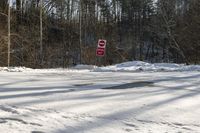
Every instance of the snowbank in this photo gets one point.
(82, 67)
(24, 69)
(132, 66)
(14, 69)
(135, 66)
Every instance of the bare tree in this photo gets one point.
(41, 31)
(8, 33)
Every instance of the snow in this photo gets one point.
(85, 101)
(81, 67)
(14, 69)
(135, 66)
(132, 66)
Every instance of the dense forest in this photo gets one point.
(62, 33)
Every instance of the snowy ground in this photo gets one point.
(99, 102)
(132, 97)
(132, 66)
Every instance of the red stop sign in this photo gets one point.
(100, 52)
(102, 44)
(101, 48)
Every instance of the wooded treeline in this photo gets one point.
(147, 30)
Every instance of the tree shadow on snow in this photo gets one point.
(120, 115)
(131, 85)
(136, 111)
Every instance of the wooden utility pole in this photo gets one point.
(41, 31)
(8, 33)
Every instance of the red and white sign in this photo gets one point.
(101, 48)
(100, 52)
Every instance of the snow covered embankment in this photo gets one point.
(14, 69)
(132, 66)
(135, 66)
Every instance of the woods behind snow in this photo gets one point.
(61, 33)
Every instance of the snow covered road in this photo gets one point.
(99, 102)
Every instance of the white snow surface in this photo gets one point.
(132, 66)
(144, 66)
(84, 101)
